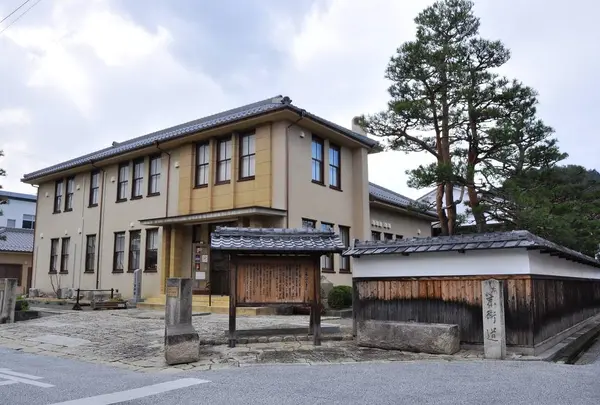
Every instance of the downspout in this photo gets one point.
(168, 178)
(287, 168)
(81, 240)
(33, 252)
(100, 220)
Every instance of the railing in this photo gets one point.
(77, 306)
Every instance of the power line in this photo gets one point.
(19, 17)
(14, 11)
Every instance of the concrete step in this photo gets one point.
(215, 309)
(200, 299)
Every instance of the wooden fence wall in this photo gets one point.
(535, 308)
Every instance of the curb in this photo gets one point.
(274, 339)
(570, 353)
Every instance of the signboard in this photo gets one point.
(200, 275)
(275, 281)
(172, 291)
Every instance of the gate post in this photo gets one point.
(182, 343)
(8, 299)
(494, 330)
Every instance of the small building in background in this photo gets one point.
(16, 256)
(18, 211)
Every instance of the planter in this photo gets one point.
(26, 315)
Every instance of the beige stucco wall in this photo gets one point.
(23, 259)
(401, 224)
(84, 220)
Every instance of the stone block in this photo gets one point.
(62, 293)
(182, 345)
(33, 293)
(494, 326)
(8, 299)
(417, 337)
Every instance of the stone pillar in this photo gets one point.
(137, 287)
(494, 328)
(8, 299)
(182, 344)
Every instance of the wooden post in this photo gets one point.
(316, 309)
(354, 306)
(232, 299)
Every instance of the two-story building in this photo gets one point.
(151, 202)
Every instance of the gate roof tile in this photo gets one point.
(274, 240)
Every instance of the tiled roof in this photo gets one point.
(20, 196)
(16, 240)
(276, 240)
(496, 240)
(227, 117)
(391, 197)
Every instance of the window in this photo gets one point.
(399, 237)
(327, 259)
(134, 250)
(317, 160)
(28, 221)
(69, 196)
(138, 178)
(151, 250)
(375, 235)
(202, 159)
(335, 178)
(309, 223)
(388, 236)
(53, 255)
(64, 255)
(94, 188)
(119, 253)
(345, 237)
(11, 223)
(224, 160)
(58, 192)
(90, 253)
(154, 175)
(123, 184)
(247, 156)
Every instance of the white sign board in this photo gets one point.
(200, 275)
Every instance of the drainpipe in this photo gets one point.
(33, 251)
(168, 178)
(100, 219)
(287, 168)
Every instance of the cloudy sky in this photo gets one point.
(76, 75)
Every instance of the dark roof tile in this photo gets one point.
(276, 240)
(16, 240)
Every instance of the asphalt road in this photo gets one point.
(65, 382)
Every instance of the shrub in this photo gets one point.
(22, 304)
(340, 297)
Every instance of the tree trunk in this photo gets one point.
(439, 205)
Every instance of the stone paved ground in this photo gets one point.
(133, 339)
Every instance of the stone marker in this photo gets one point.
(8, 299)
(182, 344)
(494, 331)
(435, 338)
(137, 287)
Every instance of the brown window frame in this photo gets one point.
(345, 237)
(248, 157)
(90, 254)
(154, 176)
(94, 196)
(321, 162)
(58, 184)
(137, 179)
(123, 180)
(223, 160)
(117, 252)
(204, 165)
(69, 193)
(64, 255)
(130, 263)
(327, 258)
(388, 236)
(378, 233)
(335, 168)
(54, 248)
(398, 237)
(151, 253)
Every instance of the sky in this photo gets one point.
(77, 75)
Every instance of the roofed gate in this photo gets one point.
(275, 266)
